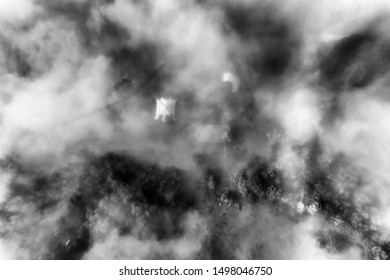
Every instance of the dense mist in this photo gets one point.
(286, 157)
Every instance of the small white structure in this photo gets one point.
(232, 79)
(165, 109)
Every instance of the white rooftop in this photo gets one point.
(233, 79)
(165, 108)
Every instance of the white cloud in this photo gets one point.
(16, 11)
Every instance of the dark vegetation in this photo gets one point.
(16, 60)
(136, 66)
(273, 43)
(259, 181)
(166, 194)
(160, 197)
(350, 223)
(354, 62)
(350, 64)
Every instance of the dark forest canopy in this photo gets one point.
(159, 199)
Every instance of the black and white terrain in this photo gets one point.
(86, 172)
